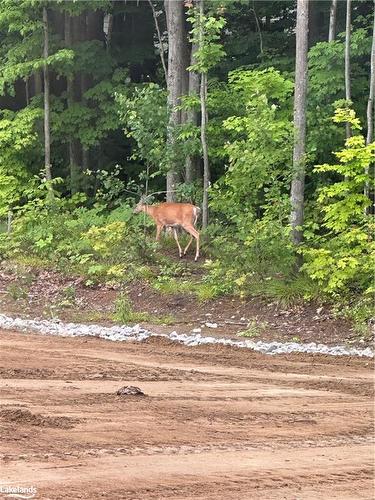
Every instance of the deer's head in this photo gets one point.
(139, 206)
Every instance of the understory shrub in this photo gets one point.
(92, 241)
(340, 249)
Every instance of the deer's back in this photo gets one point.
(170, 214)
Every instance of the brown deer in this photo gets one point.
(174, 215)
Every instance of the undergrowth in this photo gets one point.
(125, 314)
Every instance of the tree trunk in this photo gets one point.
(347, 61)
(72, 144)
(370, 102)
(314, 22)
(161, 47)
(203, 99)
(192, 161)
(185, 63)
(109, 30)
(332, 21)
(38, 86)
(298, 180)
(206, 165)
(27, 91)
(175, 22)
(85, 159)
(47, 131)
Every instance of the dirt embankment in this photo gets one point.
(48, 294)
(215, 422)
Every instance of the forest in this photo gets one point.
(259, 112)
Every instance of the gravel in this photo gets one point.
(137, 333)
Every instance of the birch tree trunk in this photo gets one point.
(298, 180)
(191, 166)
(370, 102)
(332, 21)
(175, 22)
(347, 61)
(47, 131)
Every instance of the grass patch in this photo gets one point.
(124, 311)
(125, 314)
(170, 286)
(287, 292)
(17, 291)
(206, 291)
(254, 329)
(361, 313)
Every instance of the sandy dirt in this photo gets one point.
(215, 422)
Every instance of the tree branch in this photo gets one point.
(161, 47)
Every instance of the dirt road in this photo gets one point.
(216, 423)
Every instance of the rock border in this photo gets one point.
(139, 334)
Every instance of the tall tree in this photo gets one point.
(160, 41)
(206, 33)
(192, 160)
(298, 180)
(332, 21)
(203, 99)
(348, 94)
(370, 102)
(176, 31)
(73, 150)
(47, 130)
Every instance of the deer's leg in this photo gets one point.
(178, 243)
(159, 227)
(188, 245)
(194, 233)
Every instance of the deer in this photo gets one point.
(173, 215)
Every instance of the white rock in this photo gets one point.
(137, 333)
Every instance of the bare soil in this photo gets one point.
(42, 293)
(215, 422)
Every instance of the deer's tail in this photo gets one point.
(196, 213)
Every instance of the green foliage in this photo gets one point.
(144, 115)
(16, 291)
(252, 198)
(110, 189)
(287, 291)
(340, 257)
(124, 312)
(105, 239)
(261, 150)
(89, 241)
(18, 154)
(206, 32)
(254, 329)
(359, 310)
(327, 85)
